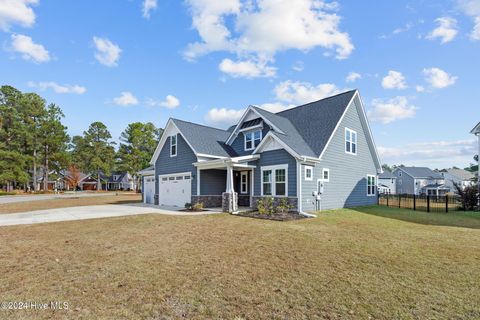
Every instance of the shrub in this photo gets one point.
(188, 206)
(283, 206)
(265, 206)
(197, 206)
(468, 197)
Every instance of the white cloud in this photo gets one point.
(125, 99)
(303, 92)
(446, 30)
(107, 52)
(170, 102)
(475, 35)
(147, 7)
(30, 50)
(438, 78)
(472, 8)
(394, 80)
(16, 12)
(391, 110)
(298, 66)
(260, 29)
(353, 76)
(276, 107)
(223, 116)
(419, 88)
(441, 154)
(66, 88)
(246, 69)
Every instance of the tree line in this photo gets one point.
(33, 141)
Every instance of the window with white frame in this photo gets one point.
(326, 175)
(350, 141)
(244, 182)
(274, 180)
(252, 139)
(371, 185)
(308, 173)
(173, 145)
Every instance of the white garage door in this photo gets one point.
(148, 189)
(175, 190)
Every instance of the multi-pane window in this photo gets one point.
(267, 182)
(173, 146)
(326, 175)
(252, 139)
(243, 183)
(350, 141)
(371, 185)
(274, 181)
(308, 173)
(280, 182)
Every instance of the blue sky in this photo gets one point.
(119, 61)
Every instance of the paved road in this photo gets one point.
(87, 212)
(36, 197)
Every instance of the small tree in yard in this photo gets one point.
(74, 176)
(468, 196)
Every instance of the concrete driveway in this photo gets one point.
(88, 212)
(36, 197)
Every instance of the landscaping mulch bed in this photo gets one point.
(290, 216)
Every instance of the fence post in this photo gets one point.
(387, 199)
(414, 202)
(428, 203)
(446, 203)
(399, 200)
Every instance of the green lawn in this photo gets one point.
(377, 263)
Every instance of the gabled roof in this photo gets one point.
(205, 140)
(461, 174)
(420, 172)
(476, 130)
(291, 137)
(325, 113)
(387, 175)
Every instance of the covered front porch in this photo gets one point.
(226, 183)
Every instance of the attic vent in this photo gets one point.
(251, 123)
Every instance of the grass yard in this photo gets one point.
(69, 202)
(368, 263)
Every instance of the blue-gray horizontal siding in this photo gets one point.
(213, 182)
(405, 183)
(239, 143)
(183, 162)
(276, 157)
(348, 173)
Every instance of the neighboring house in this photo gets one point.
(387, 183)
(420, 181)
(462, 178)
(113, 182)
(322, 146)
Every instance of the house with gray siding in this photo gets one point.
(420, 181)
(460, 177)
(318, 155)
(387, 183)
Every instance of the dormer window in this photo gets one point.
(252, 139)
(173, 146)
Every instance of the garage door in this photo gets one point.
(148, 189)
(175, 190)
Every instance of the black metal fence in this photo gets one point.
(425, 203)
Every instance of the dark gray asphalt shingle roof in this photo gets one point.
(206, 140)
(290, 136)
(305, 129)
(422, 172)
(322, 117)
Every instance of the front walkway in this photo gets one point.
(88, 212)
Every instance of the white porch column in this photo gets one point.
(230, 188)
